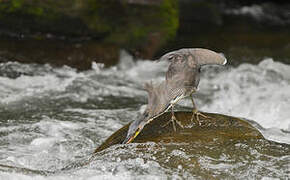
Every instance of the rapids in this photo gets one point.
(52, 117)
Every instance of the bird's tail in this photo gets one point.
(135, 128)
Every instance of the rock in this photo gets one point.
(133, 25)
(59, 53)
(217, 128)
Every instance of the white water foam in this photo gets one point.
(258, 92)
(43, 80)
(269, 13)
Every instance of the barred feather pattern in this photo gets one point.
(182, 79)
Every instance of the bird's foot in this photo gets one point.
(174, 120)
(195, 117)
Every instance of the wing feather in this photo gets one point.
(202, 56)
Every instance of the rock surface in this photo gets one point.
(215, 129)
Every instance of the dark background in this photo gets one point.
(77, 32)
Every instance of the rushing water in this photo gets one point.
(53, 117)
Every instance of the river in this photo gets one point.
(52, 117)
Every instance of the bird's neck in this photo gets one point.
(174, 83)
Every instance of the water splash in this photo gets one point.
(259, 92)
(53, 116)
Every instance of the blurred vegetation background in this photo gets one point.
(77, 32)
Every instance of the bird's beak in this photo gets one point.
(225, 62)
(225, 59)
(134, 136)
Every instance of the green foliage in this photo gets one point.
(16, 4)
(170, 13)
(130, 24)
(28, 8)
(117, 22)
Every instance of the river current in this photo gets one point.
(52, 117)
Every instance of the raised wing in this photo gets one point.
(200, 56)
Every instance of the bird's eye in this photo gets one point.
(171, 57)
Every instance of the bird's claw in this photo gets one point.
(197, 114)
(173, 120)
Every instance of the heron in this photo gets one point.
(182, 79)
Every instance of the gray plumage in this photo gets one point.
(182, 79)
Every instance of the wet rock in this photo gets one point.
(131, 24)
(215, 129)
(245, 31)
(58, 53)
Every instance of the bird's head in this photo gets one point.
(195, 57)
(190, 60)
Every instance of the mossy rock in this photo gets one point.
(215, 128)
(131, 25)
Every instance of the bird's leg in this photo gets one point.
(196, 113)
(173, 120)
